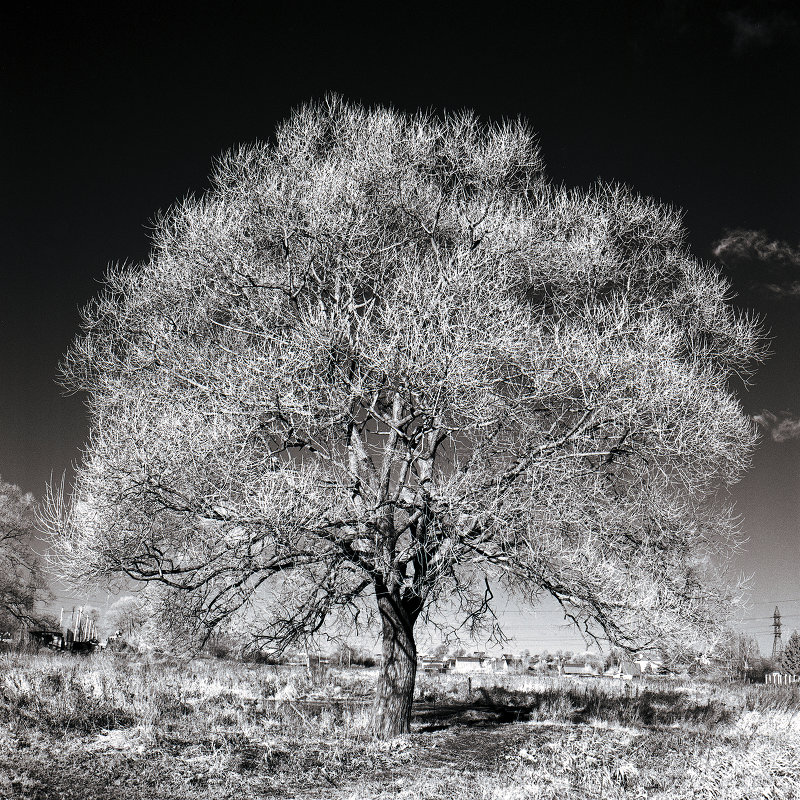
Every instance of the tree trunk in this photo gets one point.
(399, 668)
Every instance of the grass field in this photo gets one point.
(109, 727)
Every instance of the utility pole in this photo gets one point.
(777, 645)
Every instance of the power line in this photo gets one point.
(770, 602)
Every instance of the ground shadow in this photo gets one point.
(637, 706)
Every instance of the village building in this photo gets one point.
(479, 662)
(581, 670)
(432, 664)
(508, 663)
(648, 666)
(627, 670)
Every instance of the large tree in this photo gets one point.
(383, 363)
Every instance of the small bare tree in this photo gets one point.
(737, 653)
(21, 580)
(384, 364)
(127, 614)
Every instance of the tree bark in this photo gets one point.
(395, 693)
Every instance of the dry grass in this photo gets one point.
(107, 726)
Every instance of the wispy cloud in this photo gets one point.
(750, 31)
(760, 262)
(782, 427)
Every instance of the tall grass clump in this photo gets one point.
(56, 692)
(63, 694)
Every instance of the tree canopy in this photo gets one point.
(790, 659)
(385, 365)
(126, 615)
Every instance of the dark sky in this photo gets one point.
(109, 116)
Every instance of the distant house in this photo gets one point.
(508, 663)
(649, 667)
(583, 670)
(475, 663)
(430, 664)
(627, 670)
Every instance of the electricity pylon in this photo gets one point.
(777, 645)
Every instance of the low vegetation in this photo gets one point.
(113, 727)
